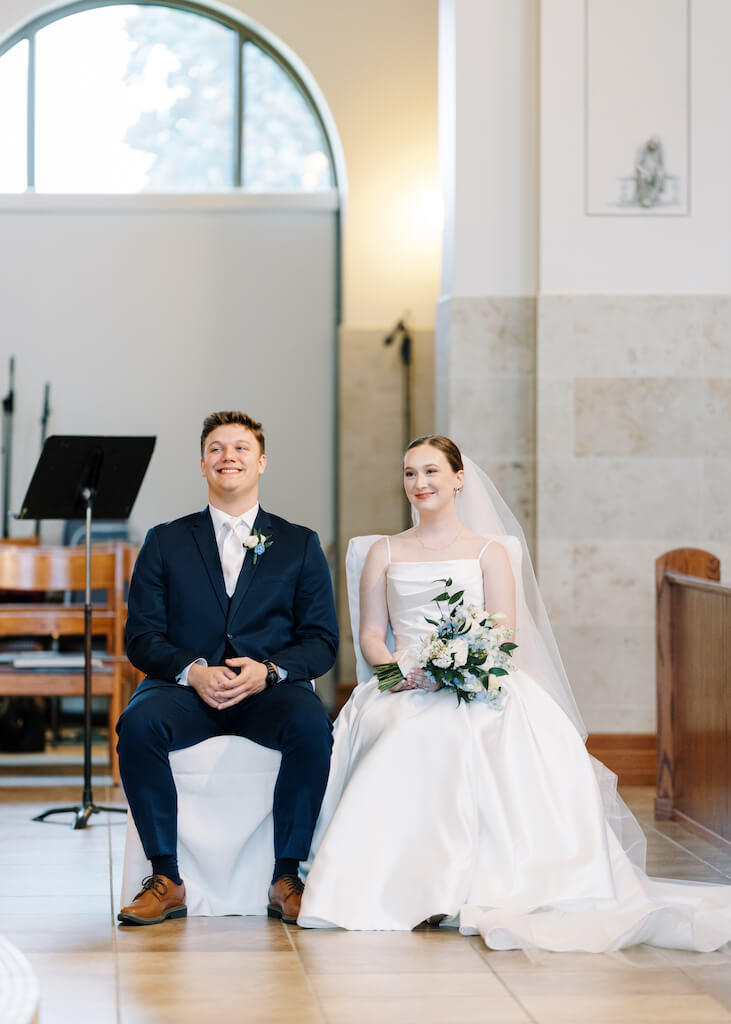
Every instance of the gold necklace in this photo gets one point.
(444, 546)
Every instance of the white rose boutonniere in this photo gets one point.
(257, 542)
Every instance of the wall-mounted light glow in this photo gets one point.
(429, 211)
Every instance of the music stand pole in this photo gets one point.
(87, 807)
(101, 474)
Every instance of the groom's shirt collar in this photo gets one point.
(220, 519)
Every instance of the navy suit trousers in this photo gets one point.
(166, 716)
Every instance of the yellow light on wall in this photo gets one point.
(428, 213)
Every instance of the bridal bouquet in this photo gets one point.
(468, 651)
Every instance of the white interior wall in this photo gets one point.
(146, 319)
(634, 255)
(633, 363)
(489, 146)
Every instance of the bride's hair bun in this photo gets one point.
(445, 445)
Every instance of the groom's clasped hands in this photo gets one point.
(222, 686)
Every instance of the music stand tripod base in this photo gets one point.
(77, 475)
(82, 812)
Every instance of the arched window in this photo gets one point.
(120, 97)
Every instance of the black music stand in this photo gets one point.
(76, 478)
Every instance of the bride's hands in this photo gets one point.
(416, 679)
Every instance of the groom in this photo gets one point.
(230, 615)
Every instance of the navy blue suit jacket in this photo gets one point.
(282, 609)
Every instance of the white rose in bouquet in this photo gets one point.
(459, 649)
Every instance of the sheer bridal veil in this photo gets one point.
(481, 508)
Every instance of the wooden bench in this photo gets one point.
(693, 660)
(26, 569)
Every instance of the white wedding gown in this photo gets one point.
(492, 818)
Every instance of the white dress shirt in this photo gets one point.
(222, 522)
(242, 525)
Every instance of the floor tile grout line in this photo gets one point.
(311, 987)
(482, 954)
(115, 946)
(690, 853)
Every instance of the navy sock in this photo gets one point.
(168, 866)
(284, 866)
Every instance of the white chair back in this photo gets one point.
(358, 549)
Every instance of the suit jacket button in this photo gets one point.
(229, 637)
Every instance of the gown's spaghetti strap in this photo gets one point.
(483, 549)
(388, 548)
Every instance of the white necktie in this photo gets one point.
(232, 555)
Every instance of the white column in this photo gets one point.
(485, 349)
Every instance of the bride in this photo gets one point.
(492, 818)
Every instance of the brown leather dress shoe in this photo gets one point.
(285, 897)
(158, 899)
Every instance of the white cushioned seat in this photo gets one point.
(225, 829)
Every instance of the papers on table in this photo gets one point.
(50, 660)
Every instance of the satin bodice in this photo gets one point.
(412, 586)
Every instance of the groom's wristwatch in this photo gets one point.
(272, 673)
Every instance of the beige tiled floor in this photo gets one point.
(57, 905)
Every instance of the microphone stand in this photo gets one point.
(8, 411)
(405, 352)
(45, 413)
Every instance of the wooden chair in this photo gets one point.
(25, 569)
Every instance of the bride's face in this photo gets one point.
(429, 481)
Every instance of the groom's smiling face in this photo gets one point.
(232, 464)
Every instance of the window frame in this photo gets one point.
(245, 34)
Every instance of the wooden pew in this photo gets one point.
(26, 569)
(693, 666)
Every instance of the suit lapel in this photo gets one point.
(205, 538)
(248, 569)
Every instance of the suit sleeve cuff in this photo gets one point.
(182, 677)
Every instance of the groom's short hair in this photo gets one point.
(222, 419)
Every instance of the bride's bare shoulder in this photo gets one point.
(403, 545)
(494, 555)
(378, 556)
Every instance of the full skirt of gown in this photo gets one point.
(492, 818)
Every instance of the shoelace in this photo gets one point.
(294, 884)
(155, 883)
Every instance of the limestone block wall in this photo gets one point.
(634, 458)
(485, 382)
(371, 496)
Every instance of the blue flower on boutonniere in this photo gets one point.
(257, 542)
